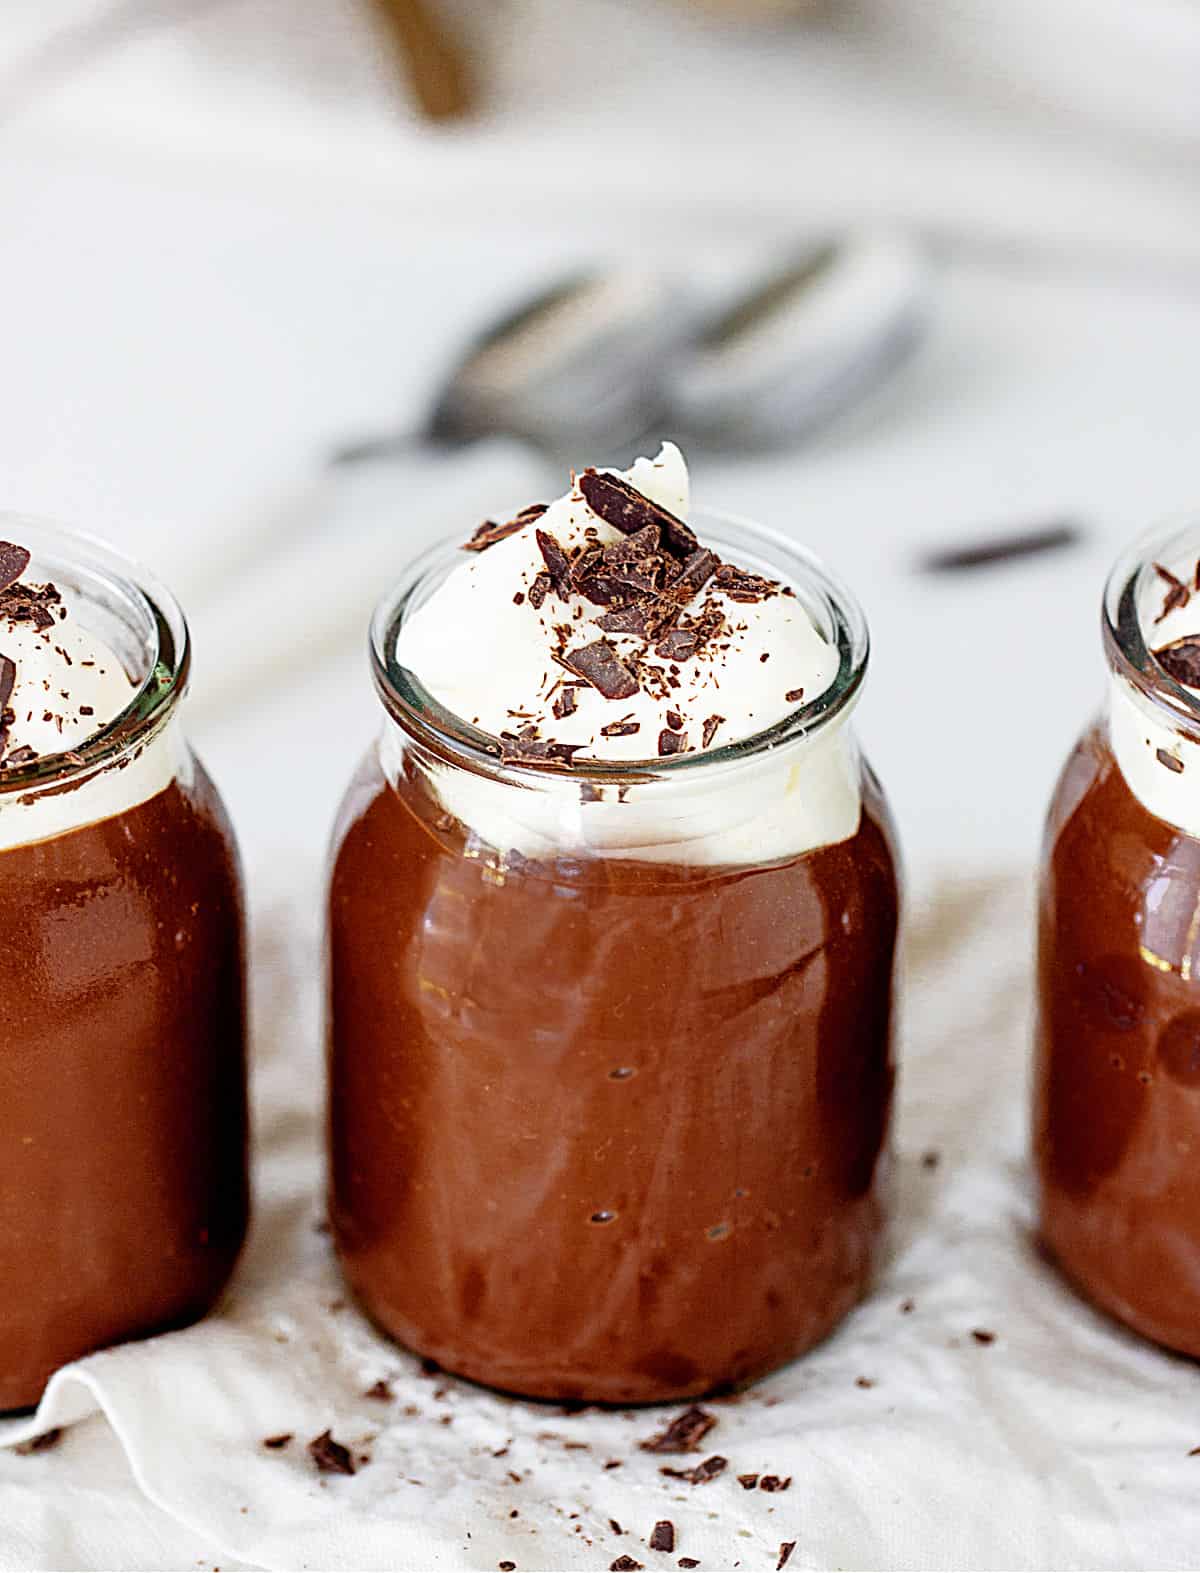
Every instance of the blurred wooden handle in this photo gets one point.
(434, 61)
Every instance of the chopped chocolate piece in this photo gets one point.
(20, 756)
(684, 1434)
(679, 644)
(624, 1564)
(519, 598)
(864, 1381)
(1169, 760)
(612, 1463)
(489, 532)
(982, 1336)
(675, 720)
(275, 1443)
(381, 1390)
(709, 1469)
(1002, 548)
(626, 620)
(771, 1483)
(507, 1567)
(565, 702)
(42, 1443)
(710, 729)
(557, 564)
(672, 743)
(620, 729)
(786, 1547)
(86, 710)
(8, 677)
(615, 1527)
(13, 562)
(697, 570)
(907, 1307)
(633, 548)
(931, 1159)
(794, 696)
(539, 590)
(600, 665)
(747, 1482)
(1181, 660)
(739, 585)
(628, 510)
(662, 1536)
(1177, 594)
(330, 1457)
(688, 1562)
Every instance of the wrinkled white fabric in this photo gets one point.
(1064, 1444)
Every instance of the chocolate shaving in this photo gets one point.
(675, 720)
(626, 620)
(624, 1564)
(628, 510)
(275, 1443)
(539, 590)
(739, 585)
(381, 1390)
(710, 729)
(13, 562)
(794, 696)
(489, 532)
(620, 729)
(330, 1457)
(1177, 594)
(747, 1482)
(565, 702)
(701, 1474)
(557, 564)
(671, 743)
(770, 1483)
(679, 645)
(1181, 660)
(697, 570)
(786, 1547)
(684, 1434)
(19, 756)
(688, 1562)
(1169, 760)
(42, 1443)
(8, 677)
(662, 1536)
(601, 666)
(982, 1336)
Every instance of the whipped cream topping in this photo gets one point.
(571, 637)
(60, 684)
(1158, 759)
(500, 647)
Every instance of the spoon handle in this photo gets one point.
(434, 61)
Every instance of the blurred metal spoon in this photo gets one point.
(599, 359)
(578, 369)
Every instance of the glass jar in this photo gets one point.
(610, 1048)
(1117, 1079)
(123, 1164)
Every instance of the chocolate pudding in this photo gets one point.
(610, 1092)
(1117, 1086)
(123, 1196)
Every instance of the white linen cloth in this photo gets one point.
(1064, 1443)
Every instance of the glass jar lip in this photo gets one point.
(77, 555)
(1128, 587)
(448, 735)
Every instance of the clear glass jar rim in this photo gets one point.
(449, 735)
(165, 680)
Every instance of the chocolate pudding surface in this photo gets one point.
(1117, 1081)
(123, 1128)
(604, 1129)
